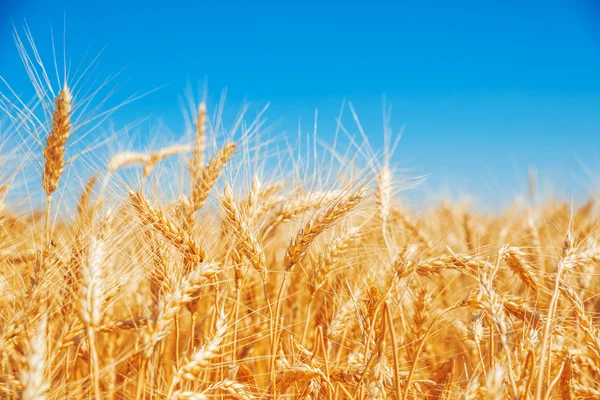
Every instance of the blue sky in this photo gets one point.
(483, 89)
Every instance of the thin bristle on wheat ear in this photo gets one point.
(54, 152)
(317, 225)
(164, 226)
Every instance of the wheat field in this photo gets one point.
(310, 282)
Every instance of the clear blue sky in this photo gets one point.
(484, 89)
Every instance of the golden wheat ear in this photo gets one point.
(317, 225)
(247, 243)
(197, 161)
(172, 233)
(54, 152)
(33, 381)
(209, 175)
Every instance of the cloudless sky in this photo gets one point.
(484, 89)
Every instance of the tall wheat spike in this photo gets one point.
(54, 152)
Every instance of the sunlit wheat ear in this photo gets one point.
(342, 316)
(566, 379)
(197, 161)
(203, 356)
(384, 193)
(33, 381)
(585, 392)
(262, 199)
(167, 228)
(123, 159)
(147, 160)
(329, 260)
(235, 389)
(83, 206)
(196, 365)
(421, 312)
(519, 308)
(161, 154)
(313, 200)
(207, 178)
(292, 208)
(3, 190)
(91, 302)
(188, 395)
(592, 334)
(171, 304)
(54, 152)
(91, 289)
(514, 258)
(317, 225)
(299, 372)
(468, 265)
(247, 242)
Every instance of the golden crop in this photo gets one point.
(244, 284)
